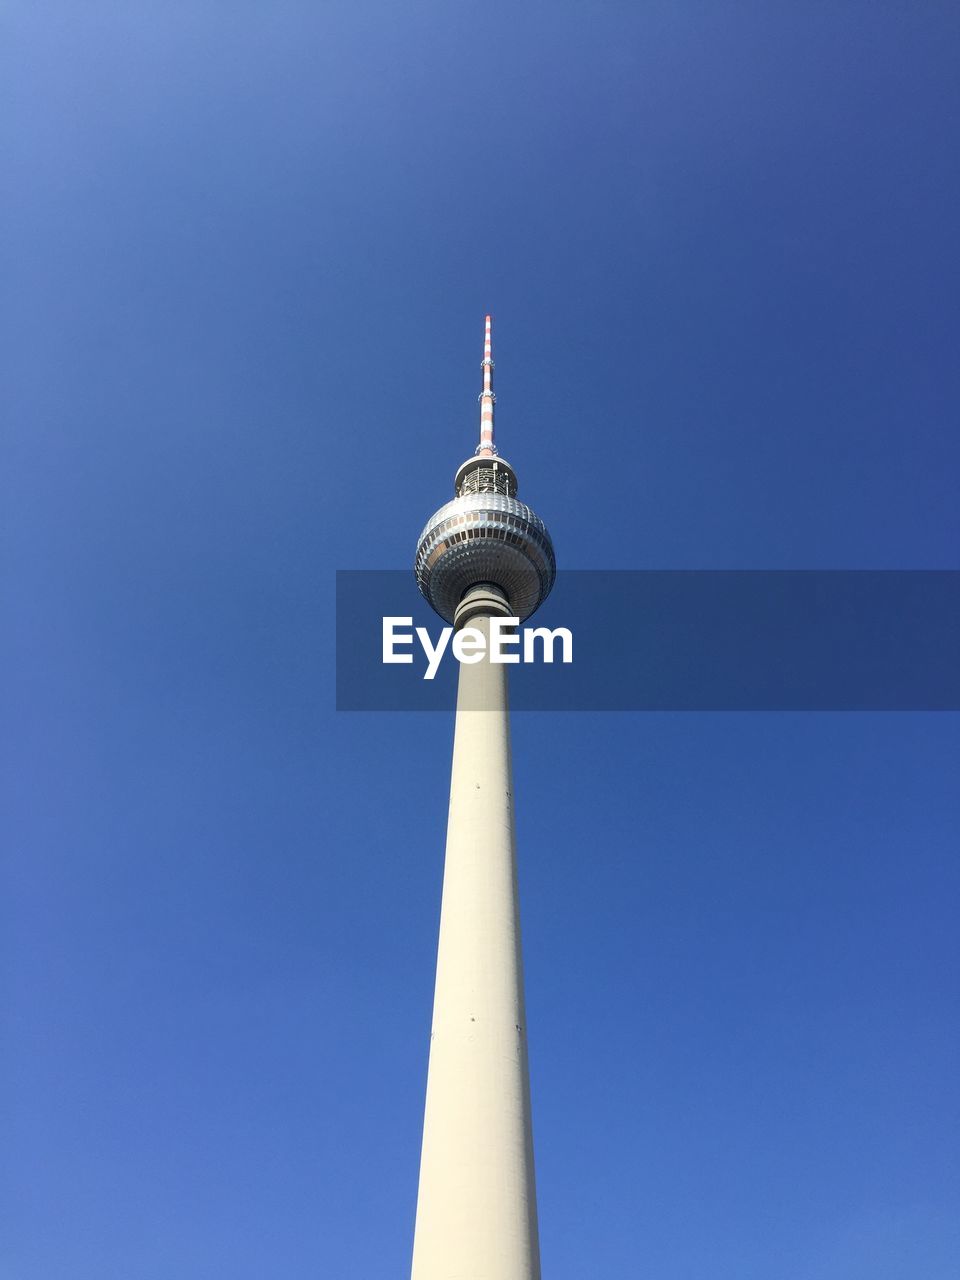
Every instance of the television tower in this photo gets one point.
(480, 556)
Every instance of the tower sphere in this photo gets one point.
(484, 535)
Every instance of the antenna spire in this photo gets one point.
(486, 448)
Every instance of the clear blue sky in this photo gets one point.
(246, 253)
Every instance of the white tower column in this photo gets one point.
(476, 1208)
(482, 555)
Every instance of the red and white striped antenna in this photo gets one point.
(486, 447)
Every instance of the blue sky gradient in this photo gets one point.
(247, 250)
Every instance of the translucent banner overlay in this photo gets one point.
(686, 641)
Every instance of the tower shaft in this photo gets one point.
(476, 1207)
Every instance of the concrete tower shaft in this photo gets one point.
(476, 1206)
